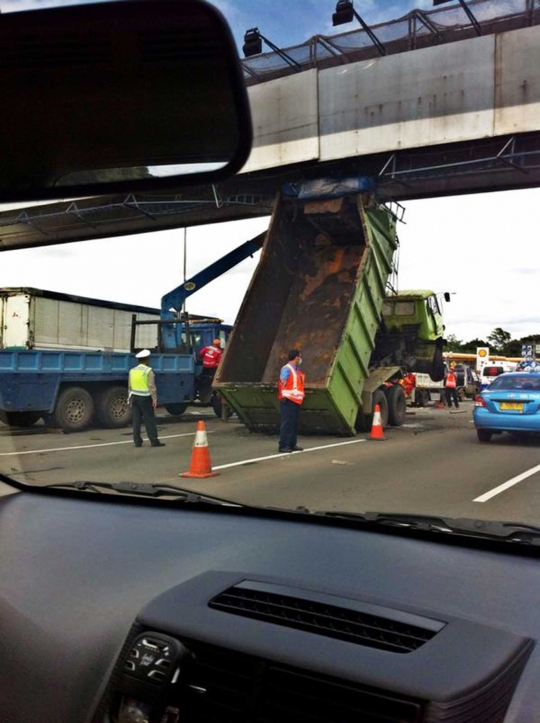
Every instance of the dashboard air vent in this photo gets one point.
(227, 687)
(332, 621)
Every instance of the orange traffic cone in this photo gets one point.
(201, 466)
(377, 431)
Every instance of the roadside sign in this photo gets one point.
(526, 351)
(482, 357)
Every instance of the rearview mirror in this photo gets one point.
(447, 296)
(119, 96)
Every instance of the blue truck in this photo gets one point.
(43, 377)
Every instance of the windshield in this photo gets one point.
(492, 371)
(371, 174)
(398, 308)
(521, 381)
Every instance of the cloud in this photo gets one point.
(525, 271)
(103, 268)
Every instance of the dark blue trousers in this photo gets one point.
(290, 412)
(143, 410)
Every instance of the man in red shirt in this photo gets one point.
(211, 356)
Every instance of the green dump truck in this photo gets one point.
(320, 285)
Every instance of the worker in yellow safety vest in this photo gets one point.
(143, 399)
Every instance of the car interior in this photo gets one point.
(153, 605)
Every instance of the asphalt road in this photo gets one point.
(432, 465)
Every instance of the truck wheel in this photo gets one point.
(19, 419)
(397, 405)
(461, 394)
(437, 370)
(112, 408)
(364, 422)
(74, 409)
(421, 397)
(176, 409)
(217, 405)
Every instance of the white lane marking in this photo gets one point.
(91, 446)
(286, 454)
(506, 485)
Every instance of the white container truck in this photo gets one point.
(39, 319)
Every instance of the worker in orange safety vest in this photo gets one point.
(291, 395)
(450, 387)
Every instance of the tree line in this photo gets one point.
(500, 341)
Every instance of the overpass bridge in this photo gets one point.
(445, 111)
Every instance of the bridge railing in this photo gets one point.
(417, 29)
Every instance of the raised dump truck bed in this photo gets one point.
(320, 286)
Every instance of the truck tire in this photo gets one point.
(19, 419)
(421, 398)
(364, 422)
(397, 405)
(217, 405)
(74, 409)
(438, 370)
(461, 394)
(112, 408)
(176, 410)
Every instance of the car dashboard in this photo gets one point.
(117, 611)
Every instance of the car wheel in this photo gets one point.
(484, 435)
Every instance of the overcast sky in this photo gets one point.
(482, 247)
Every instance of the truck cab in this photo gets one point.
(416, 311)
(203, 334)
(411, 333)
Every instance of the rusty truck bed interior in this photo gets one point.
(300, 295)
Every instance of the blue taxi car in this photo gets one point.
(510, 404)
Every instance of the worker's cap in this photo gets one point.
(143, 354)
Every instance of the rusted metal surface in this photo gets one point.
(319, 300)
(316, 310)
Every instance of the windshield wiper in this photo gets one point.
(487, 529)
(144, 489)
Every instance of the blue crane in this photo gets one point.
(173, 302)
